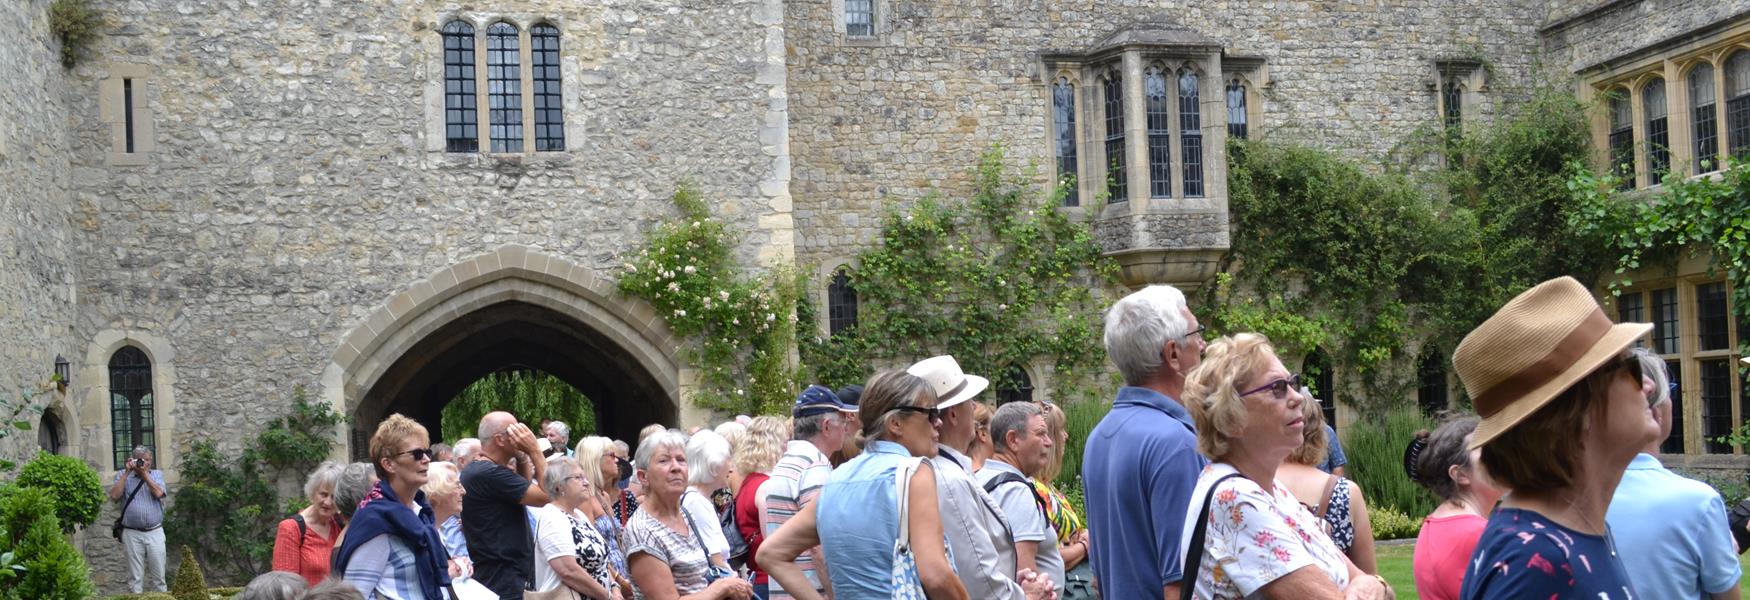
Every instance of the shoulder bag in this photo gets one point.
(1194, 554)
(904, 583)
(115, 531)
(712, 571)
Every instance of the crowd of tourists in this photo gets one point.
(1211, 477)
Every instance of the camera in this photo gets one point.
(135, 463)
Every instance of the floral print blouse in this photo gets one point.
(1255, 537)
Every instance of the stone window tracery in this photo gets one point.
(1063, 116)
(1704, 124)
(130, 392)
(1658, 132)
(1112, 100)
(1190, 133)
(1160, 132)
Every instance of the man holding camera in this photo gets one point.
(140, 490)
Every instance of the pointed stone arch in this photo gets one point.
(514, 306)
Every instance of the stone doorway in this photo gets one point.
(513, 308)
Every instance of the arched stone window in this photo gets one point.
(841, 302)
(1622, 138)
(1015, 386)
(51, 435)
(461, 105)
(1658, 131)
(1738, 103)
(1703, 119)
(130, 402)
(1160, 133)
(1112, 100)
(1191, 133)
(504, 92)
(1431, 396)
(1063, 111)
(1316, 370)
(549, 104)
(1236, 109)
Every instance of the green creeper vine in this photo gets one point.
(742, 328)
(1001, 278)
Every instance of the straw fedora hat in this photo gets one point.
(1540, 343)
(950, 384)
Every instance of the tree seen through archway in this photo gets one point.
(532, 395)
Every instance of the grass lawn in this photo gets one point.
(1394, 566)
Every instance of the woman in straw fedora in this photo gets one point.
(1563, 413)
(1245, 532)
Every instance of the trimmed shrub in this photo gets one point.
(189, 583)
(1375, 448)
(1079, 420)
(1389, 524)
(70, 483)
(53, 569)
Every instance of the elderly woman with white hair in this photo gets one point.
(1245, 534)
(708, 498)
(665, 552)
(569, 551)
(443, 487)
(304, 541)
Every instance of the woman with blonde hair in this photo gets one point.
(1245, 534)
(754, 458)
(595, 457)
(982, 447)
(1072, 535)
(1335, 500)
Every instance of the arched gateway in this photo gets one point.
(514, 307)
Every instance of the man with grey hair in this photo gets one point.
(1022, 447)
(1141, 462)
(139, 489)
(1671, 521)
(466, 450)
(559, 435)
(796, 480)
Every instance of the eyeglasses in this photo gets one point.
(1626, 362)
(934, 413)
(1197, 333)
(1278, 388)
(418, 453)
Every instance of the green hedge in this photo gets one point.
(70, 483)
(1079, 419)
(53, 570)
(1375, 448)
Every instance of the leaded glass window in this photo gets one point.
(1630, 308)
(1236, 110)
(1716, 403)
(1063, 110)
(1191, 133)
(1738, 103)
(1160, 134)
(549, 109)
(1658, 131)
(1712, 320)
(1704, 128)
(504, 87)
(1432, 394)
(1016, 386)
(1665, 334)
(1452, 104)
(1112, 100)
(130, 402)
(860, 18)
(1622, 138)
(841, 303)
(461, 108)
(1317, 368)
(1674, 443)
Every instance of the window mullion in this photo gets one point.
(482, 92)
(526, 73)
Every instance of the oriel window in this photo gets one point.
(1191, 133)
(1160, 133)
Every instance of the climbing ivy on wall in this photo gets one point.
(741, 327)
(1365, 260)
(1000, 278)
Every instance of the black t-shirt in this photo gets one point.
(496, 524)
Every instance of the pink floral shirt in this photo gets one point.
(1255, 537)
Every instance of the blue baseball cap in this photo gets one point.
(819, 400)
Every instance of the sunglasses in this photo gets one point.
(934, 413)
(1278, 389)
(419, 453)
(1626, 362)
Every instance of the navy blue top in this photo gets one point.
(1138, 469)
(1523, 554)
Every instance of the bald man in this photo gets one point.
(497, 527)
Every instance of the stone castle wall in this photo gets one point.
(890, 119)
(37, 239)
(1582, 36)
(292, 189)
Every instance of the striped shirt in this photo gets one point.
(684, 556)
(386, 568)
(795, 482)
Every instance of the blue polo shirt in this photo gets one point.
(1673, 525)
(1138, 469)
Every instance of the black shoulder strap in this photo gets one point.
(1194, 554)
(1005, 478)
(130, 499)
(303, 529)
